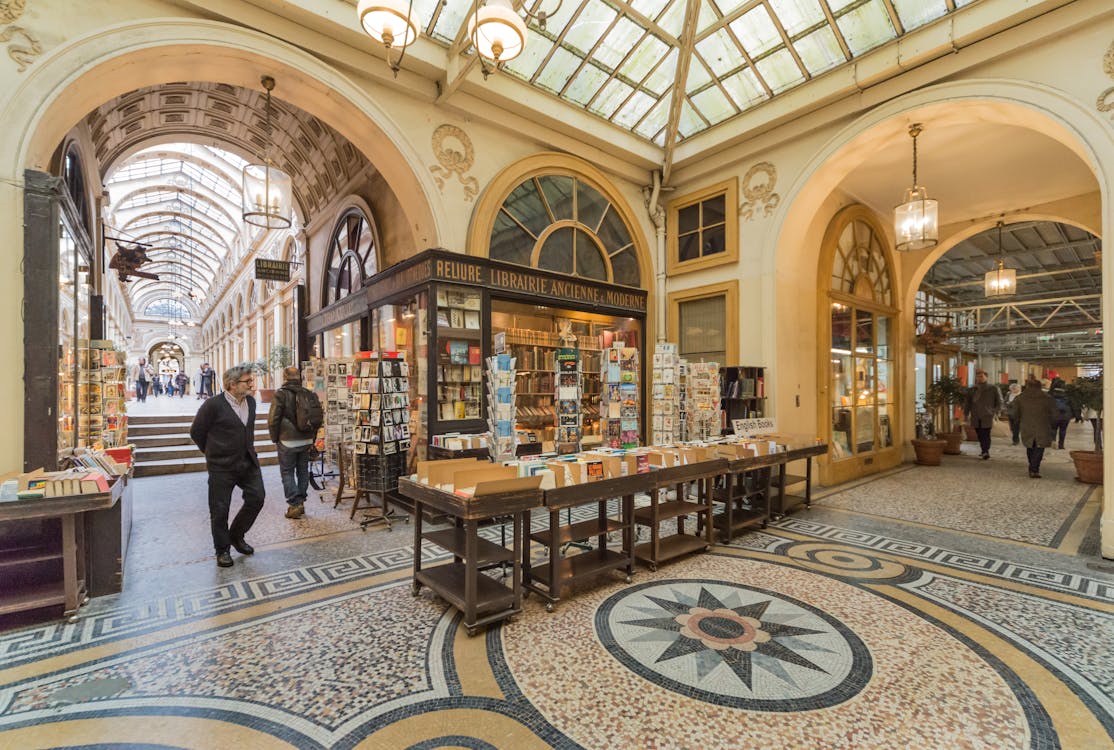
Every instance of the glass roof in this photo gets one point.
(618, 58)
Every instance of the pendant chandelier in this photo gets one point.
(1002, 281)
(916, 219)
(498, 34)
(391, 23)
(268, 195)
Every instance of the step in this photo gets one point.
(147, 419)
(165, 452)
(179, 438)
(158, 428)
(187, 465)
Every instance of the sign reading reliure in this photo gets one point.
(462, 269)
(272, 270)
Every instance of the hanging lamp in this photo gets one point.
(391, 23)
(498, 34)
(1002, 281)
(916, 220)
(268, 195)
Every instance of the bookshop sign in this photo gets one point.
(460, 269)
(272, 270)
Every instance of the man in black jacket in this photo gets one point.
(293, 444)
(224, 430)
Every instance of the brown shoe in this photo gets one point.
(295, 511)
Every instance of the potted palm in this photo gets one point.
(279, 357)
(1085, 395)
(928, 448)
(941, 398)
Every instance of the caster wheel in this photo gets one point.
(72, 619)
(415, 589)
(471, 632)
(525, 595)
(626, 579)
(549, 607)
(707, 547)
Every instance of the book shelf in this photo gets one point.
(459, 355)
(743, 393)
(619, 396)
(96, 406)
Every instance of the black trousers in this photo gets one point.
(1035, 454)
(249, 479)
(1060, 430)
(984, 438)
(141, 390)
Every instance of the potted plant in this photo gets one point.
(928, 448)
(1085, 396)
(941, 398)
(279, 357)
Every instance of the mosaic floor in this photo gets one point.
(859, 624)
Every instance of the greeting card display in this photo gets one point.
(568, 400)
(501, 384)
(619, 396)
(703, 405)
(380, 433)
(665, 413)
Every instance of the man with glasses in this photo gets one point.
(224, 430)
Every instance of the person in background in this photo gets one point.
(1034, 410)
(1061, 417)
(205, 381)
(181, 380)
(156, 385)
(984, 401)
(1015, 424)
(169, 385)
(293, 443)
(224, 430)
(141, 374)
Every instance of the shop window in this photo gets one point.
(563, 224)
(352, 257)
(73, 177)
(860, 352)
(703, 229)
(702, 321)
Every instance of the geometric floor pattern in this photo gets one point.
(840, 627)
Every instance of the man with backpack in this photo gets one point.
(1062, 415)
(293, 422)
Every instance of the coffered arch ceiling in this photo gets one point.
(172, 156)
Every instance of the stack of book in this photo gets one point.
(78, 481)
(619, 396)
(666, 410)
(703, 404)
(501, 383)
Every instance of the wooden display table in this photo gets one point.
(481, 599)
(549, 578)
(45, 564)
(660, 549)
(746, 503)
(796, 451)
(437, 452)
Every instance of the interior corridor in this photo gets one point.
(927, 607)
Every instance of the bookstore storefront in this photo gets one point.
(448, 313)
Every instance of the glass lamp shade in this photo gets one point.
(916, 221)
(497, 32)
(388, 21)
(1001, 282)
(268, 196)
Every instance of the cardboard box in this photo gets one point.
(438, 473)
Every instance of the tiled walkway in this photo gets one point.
(933, 607)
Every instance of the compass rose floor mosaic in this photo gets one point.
(865, 622)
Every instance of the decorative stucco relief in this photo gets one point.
(453, 148)
(758, 189)
(24, 47)
(1104, 103)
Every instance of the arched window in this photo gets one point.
(73, 177)
(167, 308)
(559, 222)
(860, 347)
(352, 256)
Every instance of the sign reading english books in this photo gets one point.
(272, 270)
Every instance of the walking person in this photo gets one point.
(293, 421)
(1015, 424)
(1062, 416)
(181, 380)
(224, 430)
(984, 401)
(1035, 410)
(141, 374)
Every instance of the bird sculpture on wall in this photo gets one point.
(127, 260)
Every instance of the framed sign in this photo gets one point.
(757, 426)
(500, 343)
(272, 270)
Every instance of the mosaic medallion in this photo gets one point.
(733, 645)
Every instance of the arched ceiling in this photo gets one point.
(319, 160)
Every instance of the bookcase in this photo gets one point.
(459, 360)
(742, 392)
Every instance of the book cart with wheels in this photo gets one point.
(745, 490)
(796, 450)
(700, 474)
(481, 599)
(549, 578)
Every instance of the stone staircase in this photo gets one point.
(163, 445)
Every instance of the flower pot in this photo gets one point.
(265, 395)
(929, 452)
(954, 440)
(1088, 466)
(969, 433)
